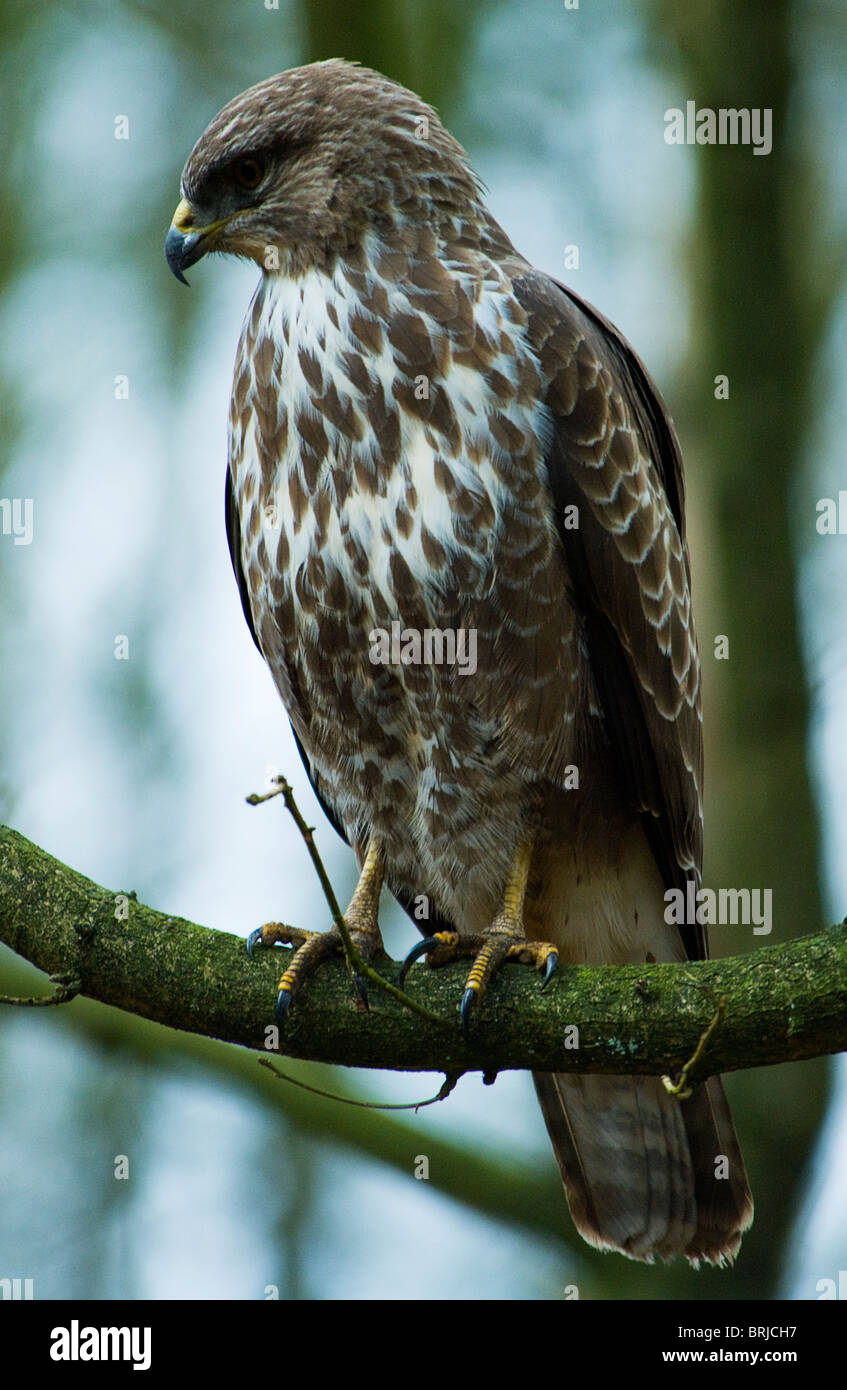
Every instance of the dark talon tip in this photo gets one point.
(362, 990)
(489, 1077)
(420, 948)
(283, 1005)
(550, 968)
(466, 1008)
(253, 941)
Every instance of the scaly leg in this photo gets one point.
(313, 947)
(503, 940)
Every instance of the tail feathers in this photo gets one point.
(644, 1173)
(724, 1199)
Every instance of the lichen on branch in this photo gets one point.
(783, 1003)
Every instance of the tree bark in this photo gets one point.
(777, 1004)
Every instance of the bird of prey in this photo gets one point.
(436, 449)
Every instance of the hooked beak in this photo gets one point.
(186, 244)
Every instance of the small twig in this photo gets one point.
(283, 789)
(448, 1085)
(66, 989)
(356, 964)
(678, 1089)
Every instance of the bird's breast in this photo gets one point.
(396, 531)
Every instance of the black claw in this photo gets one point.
(550, 968)
(362, 989)
(283, 1005)
(489, 1077)
(252, 941)
(466, 1008)
(421, 948)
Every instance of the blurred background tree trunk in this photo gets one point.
(759, 318)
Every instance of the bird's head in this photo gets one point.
(293, 172)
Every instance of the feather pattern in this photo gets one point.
(427, 435)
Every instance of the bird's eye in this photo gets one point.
(249, 173)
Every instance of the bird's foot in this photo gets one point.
(277, 933)
(313, 947)
(502, 941)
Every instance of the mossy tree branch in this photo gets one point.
(783, 1003)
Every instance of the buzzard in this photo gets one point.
(429, 440)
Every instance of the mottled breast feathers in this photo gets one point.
(607, 449)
